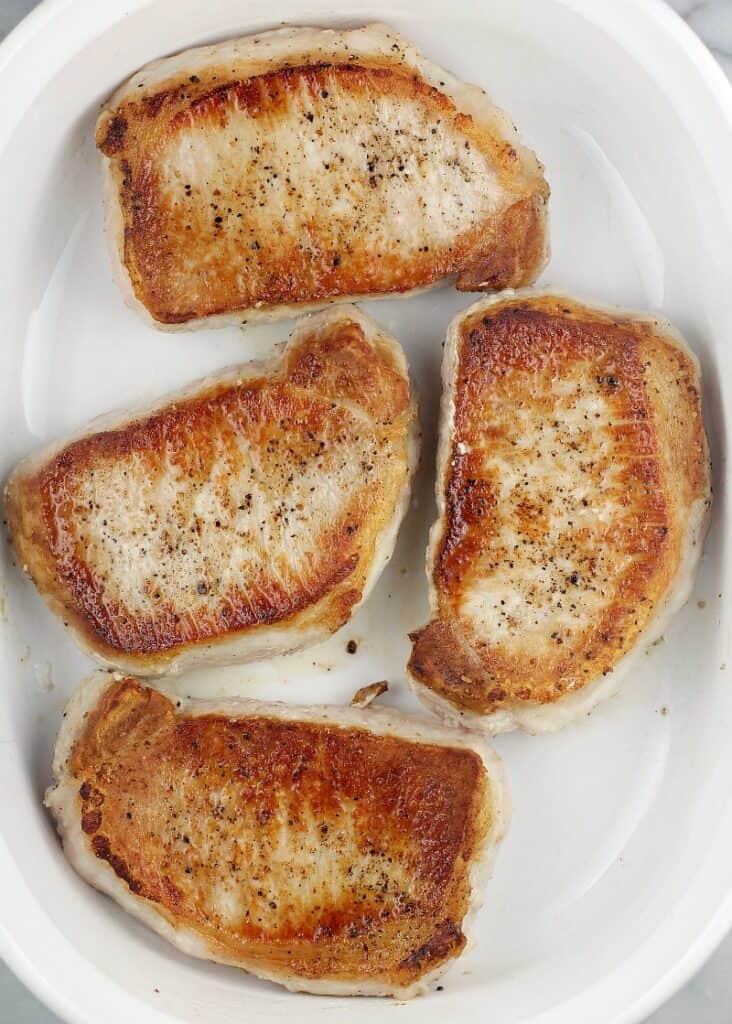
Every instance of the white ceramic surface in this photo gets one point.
(615, 880)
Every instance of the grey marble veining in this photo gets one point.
(707, 998)
(712, 21)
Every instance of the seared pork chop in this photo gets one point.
(273, 174)
(573, 487)
(329, 849)
(248, 515)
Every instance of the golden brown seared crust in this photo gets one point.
(303, 850)
(575, 484)
(262, 498)
(251, 190)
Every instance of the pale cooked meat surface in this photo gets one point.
(294, 168)
(573, 486)
(248, 515)
(328, 849)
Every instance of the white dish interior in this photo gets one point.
(615, 878)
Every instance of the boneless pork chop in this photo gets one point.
(573, 487)
(332, 850)
(273, 174)
(245, 516)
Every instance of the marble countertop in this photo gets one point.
(705, 999)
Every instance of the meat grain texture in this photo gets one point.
(274, 174)
(332, 850)
(573, 489)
